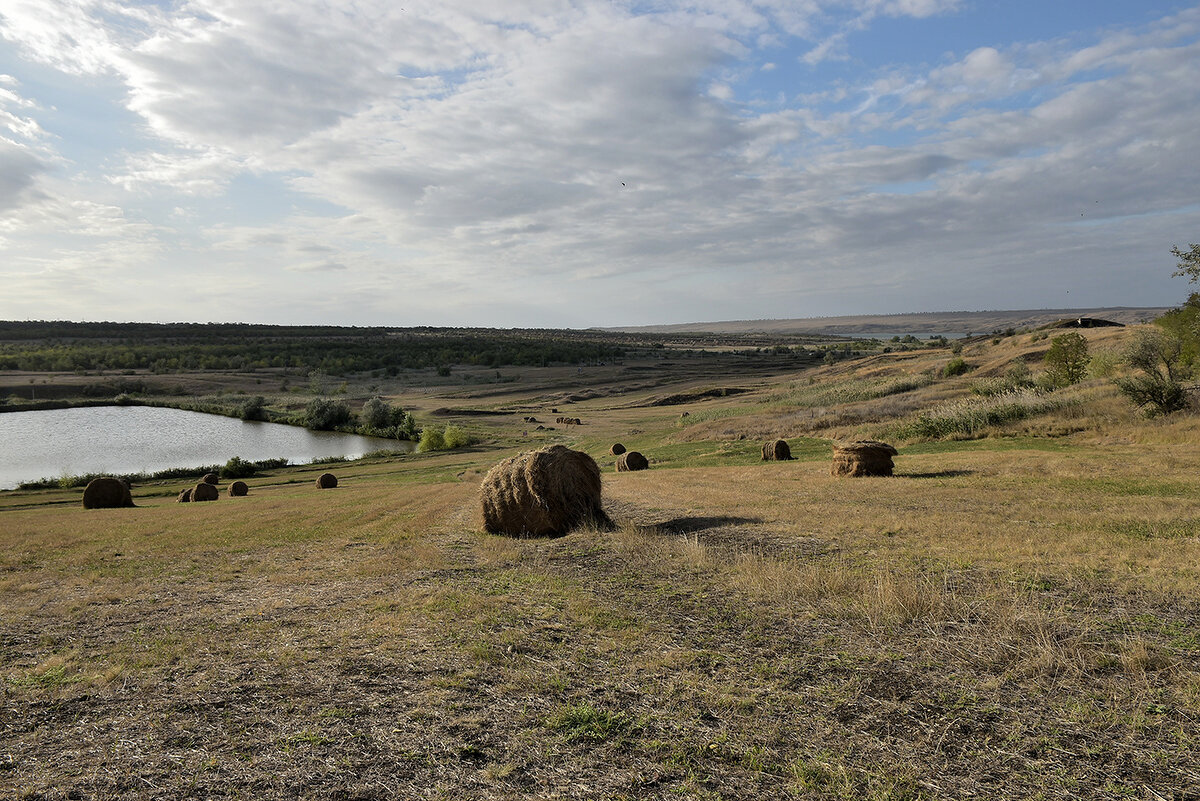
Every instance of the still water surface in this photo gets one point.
(142, 439)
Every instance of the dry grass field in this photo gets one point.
(1014, 614)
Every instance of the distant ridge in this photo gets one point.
(979, 322)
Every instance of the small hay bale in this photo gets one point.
(204, 492)
(863, 458)
(777, 451)
(185, 496)
(238, 488)
(106, 493)
(617, 450)
(326, 481)
(542, 493)
(211, 478)
(631, 461)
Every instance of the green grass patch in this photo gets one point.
(1156, 529)
(47, 678)
(1134, 486)
(583, 722)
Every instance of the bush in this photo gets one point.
(382, 419)
(455, 437)
(1067, 359)
(323, 414)
(377, 413)
(1154, 394)
(238, 467)
(956, 366)
(432, 439)
(442, 439)
(1158, 389)
(253, 408)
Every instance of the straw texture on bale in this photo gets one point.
(106, 493)
(631, 461)
(617, 449)
(185, 496)
(204, 492)
(777, 451)
(543, 493)
(238, 488)
(326, 481)
(863, 458)
(212, 478)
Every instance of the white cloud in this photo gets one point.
(545, 152)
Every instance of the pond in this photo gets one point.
(144, 439)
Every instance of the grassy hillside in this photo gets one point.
(1014, 614)
(955, 323)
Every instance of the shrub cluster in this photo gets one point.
(443, 439)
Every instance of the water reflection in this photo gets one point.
(142, 439)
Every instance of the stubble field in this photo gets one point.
(1013, 615)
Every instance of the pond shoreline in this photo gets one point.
(61, 446)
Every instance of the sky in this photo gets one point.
(543, 163)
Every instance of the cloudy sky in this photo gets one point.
(534, 163)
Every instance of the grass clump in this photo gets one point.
(851, 391)
(583, 722)
(970, 417)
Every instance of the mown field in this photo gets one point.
(1014, 614)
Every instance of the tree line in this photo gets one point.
(74, 347)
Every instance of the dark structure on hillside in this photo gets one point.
(1086, 322)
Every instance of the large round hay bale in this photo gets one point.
(204, 492)
(630, 461)
(106, 493)
(863, 458)
(185, 496)
(542, 493)
(326, 481)
(617, 449)
(777, 451)
(211, 478)
(238, 488)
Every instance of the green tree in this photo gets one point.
(323, 414)
(1189, 262)
(1156, 389)
(1067, 359)
(253, 408)
(377, 414)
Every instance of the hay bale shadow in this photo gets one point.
(692, 525)
(937, 474)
